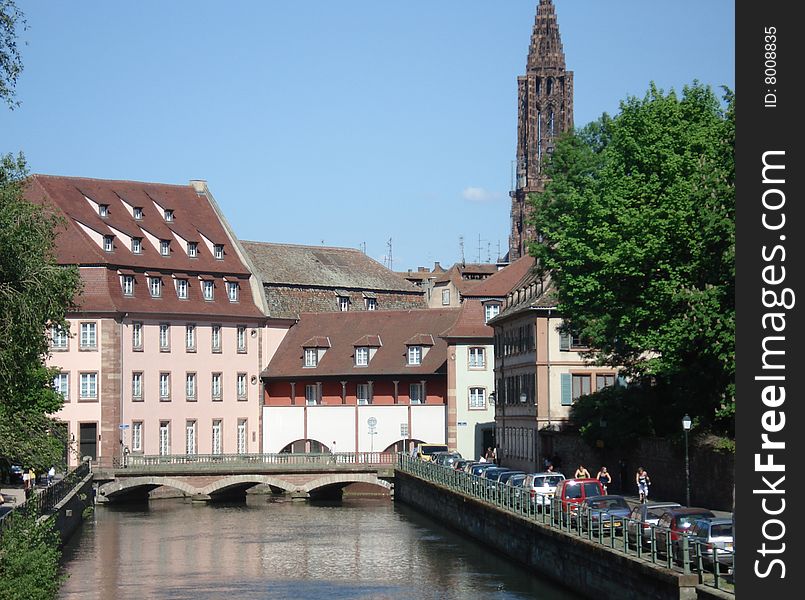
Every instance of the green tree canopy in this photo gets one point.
(35, 294)
(638, 229)
(11, 18)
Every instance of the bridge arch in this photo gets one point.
(305, 446)
(244, 481)
(345, 479)
(128, 486)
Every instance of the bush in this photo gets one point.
(29, 560)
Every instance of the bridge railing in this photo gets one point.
(622, 534)
(245, 460)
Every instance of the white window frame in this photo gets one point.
(477, 398)
(136, 245)
(445, 297)
(181, 289)
(241, 339)
(59, 338)
(89, 386)
(103, 210)
(476, 357)
(190, 386)
(89, 337)
(164, 386)
(491, 311)
(217, 445)
(128, 285)
(192, 249)
(242, 387)
(233, 291)
(136, 386)
(191, 429)
(311, 357)
(208, 290)
(218, 251)
(136, 335)
(371, 303)
(362, 356)
(61, 383)
(414, 355)
(190, 337)
(217, 387)
(168, 215)
(164, 337)
(164, 438)
(343, 303)
(155, 286)
(363, 394)
(165, 247)
(138, 213)
(215, 336)
(108, 243)
(311, 394)
(137, 436)
(242, 436)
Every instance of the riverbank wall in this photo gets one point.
(68, 514)
(588, 568)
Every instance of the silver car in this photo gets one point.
(541, 486)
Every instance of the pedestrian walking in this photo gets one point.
(643, 481)
(490, 455)
(549, 468)
(604, 477)
(582, 473)
(332, 451)
(26, 483)
(51, 474)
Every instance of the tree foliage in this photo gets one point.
(638, 224)
(29, 559)
(11, 18)
(35, 294)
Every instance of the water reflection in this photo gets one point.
(358, 549)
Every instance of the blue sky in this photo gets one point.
(345, 123)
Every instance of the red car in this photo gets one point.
(676, 521)
(570, 493)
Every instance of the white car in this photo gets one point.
(541, 486)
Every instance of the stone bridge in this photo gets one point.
(223, 477)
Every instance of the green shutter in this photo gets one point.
(564, 342)
(567, 394)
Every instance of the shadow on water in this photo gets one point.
(271, 547)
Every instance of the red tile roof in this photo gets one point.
(471, 322)
(395, 328)
(502, 282)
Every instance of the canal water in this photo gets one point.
(263, 549)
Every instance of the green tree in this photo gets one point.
(638, 226)
(11, 18)
(29, 559)
(35, 293)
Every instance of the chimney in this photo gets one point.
(422, 269)
(437, 266)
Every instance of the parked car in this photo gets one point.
(541, 487)
(569, 495)
(425, 451)
(505, 476)
(479, 468)
(445, 459)
(642, 517)
(675, 522)
(514, 487)
(603, 512)
(461, 463)
(709, 534)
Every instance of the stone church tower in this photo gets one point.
(545, 110)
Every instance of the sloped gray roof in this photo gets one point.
(321, 266)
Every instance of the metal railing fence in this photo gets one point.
(246, 460)
(650, 543)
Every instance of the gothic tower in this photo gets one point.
(545, 110)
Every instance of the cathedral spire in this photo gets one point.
(545, 111)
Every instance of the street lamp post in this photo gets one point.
(686, 423)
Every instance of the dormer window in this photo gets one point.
(343, 303)
(207, 288)
(311, 357)
(128, 285)
(218, 251)
(192, 249)
(362, 356)
(414, 355)
(371, 303)
(138, 213)
(168, 215)
(232, 291)
(103, 210)
(164, 247)
(155, 286)
(137, 245)
(181, 289)
(491, 311)
(108, 243)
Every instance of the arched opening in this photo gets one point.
(406, 445)
(306, 446)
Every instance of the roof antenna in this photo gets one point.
(461, 246)
(389, 262)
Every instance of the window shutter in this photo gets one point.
(564, 341)
(567, 396)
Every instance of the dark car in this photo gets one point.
(642, 517)
(710, 537)
(603, 512)
(460, 464)
(445, 459)
(676, 522)
(479, 468)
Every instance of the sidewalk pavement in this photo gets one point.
(635, 500)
